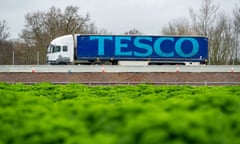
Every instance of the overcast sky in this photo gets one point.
(117, 16)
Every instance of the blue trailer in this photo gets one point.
(151, 48)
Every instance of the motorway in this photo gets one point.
(117, 69)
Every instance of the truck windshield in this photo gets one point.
(50, 48)
(54, 48)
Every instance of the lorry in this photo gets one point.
(111, 49)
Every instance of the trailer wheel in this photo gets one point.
(62, 63)
(114, 62)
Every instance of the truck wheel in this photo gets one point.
(115, 62)
(62, 63)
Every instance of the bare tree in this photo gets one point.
(20, 53)
(34, 35)
(222, 40)
(236, 27)
(222, 31)
(178, 27)
(203, 22)
(6, 49)
(42, 27)
(236, 20)
(6, 46)
(3, 30)
(54, 22)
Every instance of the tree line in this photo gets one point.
(40, 28)
(222, 30)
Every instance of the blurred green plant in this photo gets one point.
(142, 114)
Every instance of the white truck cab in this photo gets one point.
(61, 50)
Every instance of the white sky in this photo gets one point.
(117, 16)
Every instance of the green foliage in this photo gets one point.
(142, 114)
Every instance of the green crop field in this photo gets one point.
(143, 114)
